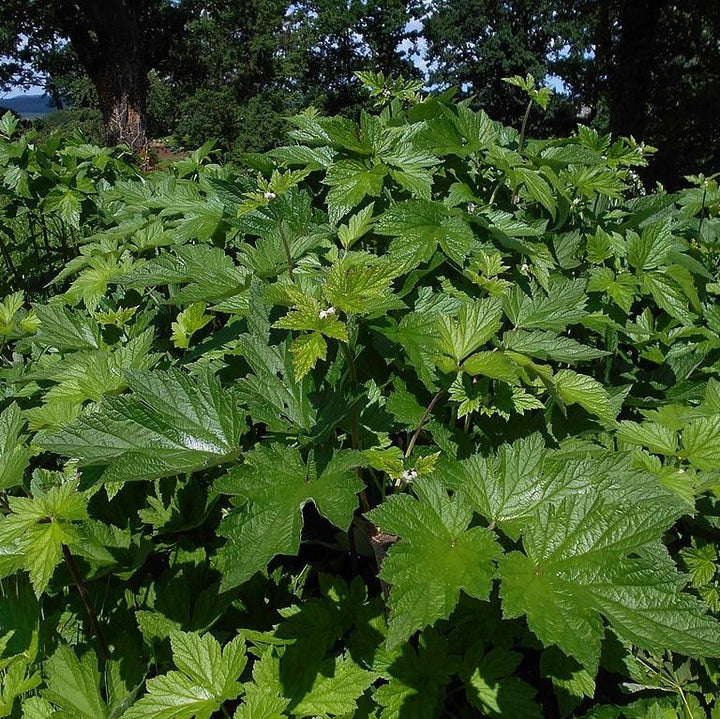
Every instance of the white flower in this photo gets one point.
(326, 313)
(269, 195)
(408, 475)
(386, 93)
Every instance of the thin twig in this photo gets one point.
(80, 584)
(425, 416)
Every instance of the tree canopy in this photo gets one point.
(234, 69)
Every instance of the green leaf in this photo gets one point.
(537, 187)
(64, 330)
(263, 697)
(550, 346)
(656, 437)
(491, 687)
(563, 305)
(309, 315)
(38, 527)
(271, 393)
(574, 388)
(14, 456)
(335, 689)
(436, 557)
(272, 487)
(621, 288)
(651, 249)
(586, 558)
(306, 351)
(495, 365)
(477, 322)
(419, 226)
(417, 679)
(701, 442)
(350, 182)
(208, 677)
(357, 226)
(172, 423)
(74, 684)
(188, 322)
(359, 283)
(67, 203)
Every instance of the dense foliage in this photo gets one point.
(418, 418)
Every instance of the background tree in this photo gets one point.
(474, 44)
(221, 78)
(116, 42)
(328, 40)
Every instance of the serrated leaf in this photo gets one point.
(74, 684)
(14, 456)
(188, 322)
(172, 423)
(38, 527)
(491, 687)
(537, 188)
(420, 227)
(66, 330)
(580, 563)
(436, 557)
(495, 365)
(335, 689)
(574, 388)
(476, 323)
(653, 435)
(359, 283)
(357, 226)
(306, 350)
(563, 305)
(548, 345)
(272, 487)
(350, 182)
(701, 442)
(207, 678)
(417, 679)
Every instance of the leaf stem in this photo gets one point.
(80, 584)
(521, 140)
(352, 372)
(288, 253)
(702, 212)
(424, 419)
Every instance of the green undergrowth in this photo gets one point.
(413, 418)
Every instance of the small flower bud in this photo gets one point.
(326, 313)
(269, 195)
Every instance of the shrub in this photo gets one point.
(422, 421)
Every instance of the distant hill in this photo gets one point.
(27, 105)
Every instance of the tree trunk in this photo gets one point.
(109, 37)
(631, 74)
(122, 90)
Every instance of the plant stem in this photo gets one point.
(352, 372)
(521, 141)
(288, 253)
(7, 258)
(702, 212)
(425, 416)
(224, 711)
(80, 584)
